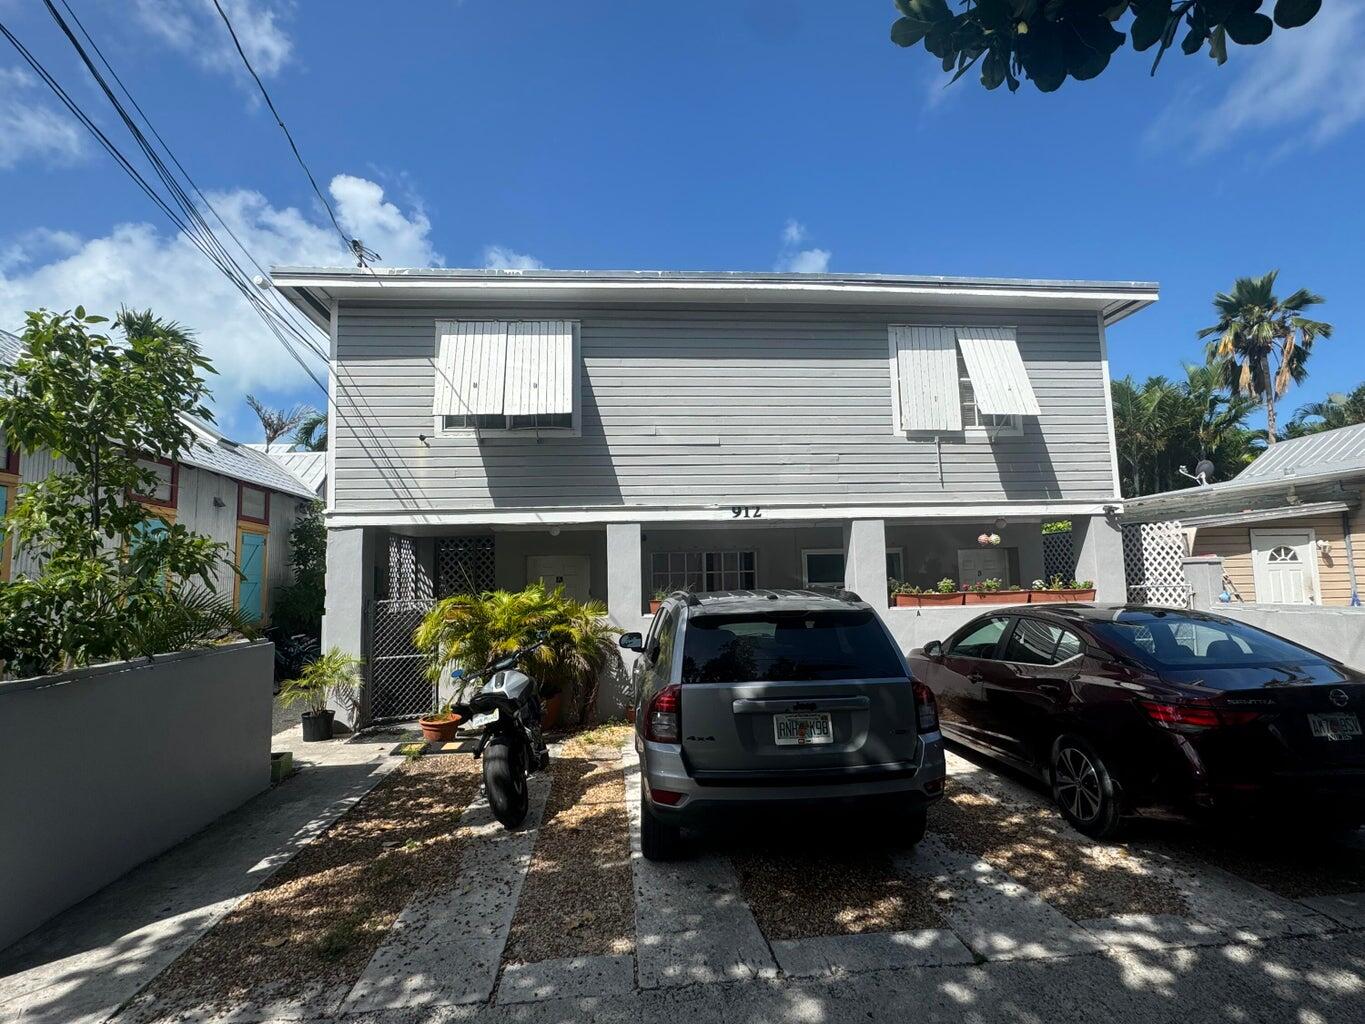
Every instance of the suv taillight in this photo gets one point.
(926, 707)
(663, 717)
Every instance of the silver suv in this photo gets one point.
(778, 697)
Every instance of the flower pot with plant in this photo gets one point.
(945, 592)
(903, 595)
(992, 591)
(1081, 590)
(657, 600)
(332, 676)
(441, 725)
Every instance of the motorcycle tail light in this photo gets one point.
(926, 707)
(663, 718)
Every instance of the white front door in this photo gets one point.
(1283, 566)
(977, 564)
(568, 571)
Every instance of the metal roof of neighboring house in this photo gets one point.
(310, 467)
(211, 450)
(1325, 459)
(312, 289)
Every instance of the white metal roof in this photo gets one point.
(10, 348)
(312, 289)
(1331, 451)
(310, 467)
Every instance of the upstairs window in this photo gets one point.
(507, 375)
(958, 380)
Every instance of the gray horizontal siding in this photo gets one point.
(708, 406)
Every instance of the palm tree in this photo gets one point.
(1263, 340)
(1336, 410)
(311, 432)
(275, 423)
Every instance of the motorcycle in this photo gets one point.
(511, 744)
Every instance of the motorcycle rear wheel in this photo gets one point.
(504, 779)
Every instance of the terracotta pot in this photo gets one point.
(654, 606)
(956, 597)
(439, 728)
(1082, 595)
(550, 709)
(997, 597)
(905, 600)
(630, 714)
(1050, 596)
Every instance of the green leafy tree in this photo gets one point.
(112, 571)
(1047, 41)
(1261, 342)
(1336, 410)
(299, 604)
(1161, 425)
(311, 432)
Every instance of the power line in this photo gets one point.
(352, 244)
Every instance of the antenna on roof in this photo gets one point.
(362, 254)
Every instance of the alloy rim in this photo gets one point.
(1078, 784)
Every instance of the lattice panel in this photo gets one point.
(464, 565)
(1059, 557)
(1153, 559)
(408, 576)
(399, 687)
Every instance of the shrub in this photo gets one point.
(299, 604)
(334, 675)
(468, 632)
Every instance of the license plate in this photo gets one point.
(1337, 725)
(802, 730)
(487, 718)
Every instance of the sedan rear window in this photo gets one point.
(788, 646)
(1178, 642)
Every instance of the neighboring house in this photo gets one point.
(626, 433)
(222, 489)
(309, 467)
(1288, 527)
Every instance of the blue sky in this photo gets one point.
(730, 135)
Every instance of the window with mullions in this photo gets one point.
(971, 418)
(703, 571)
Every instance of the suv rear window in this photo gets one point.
(788, 646)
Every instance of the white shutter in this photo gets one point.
(1000, 382)
(926, 371)
(471, 365)
(540, 368)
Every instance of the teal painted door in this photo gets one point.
(251, 589)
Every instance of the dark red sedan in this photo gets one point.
(1124, 708)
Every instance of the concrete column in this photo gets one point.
(350, 588)
(1097, 543)
(625, 575)
(865, 560)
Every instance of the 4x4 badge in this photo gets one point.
(1338, 697)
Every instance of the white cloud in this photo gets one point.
(800, 261)
(807, 261)
(195, 28)
(1308, 83)
(141, 266)
(497, 257)
(33, 127)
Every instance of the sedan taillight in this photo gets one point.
(926, 707)
(1193, 717)
(663, 716)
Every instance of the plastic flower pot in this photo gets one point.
(930, 600)
(1050, 596)
(281, 764)
(905, 600)
(317, 725)
(439, 728)
(1081, 595)
(997, 597)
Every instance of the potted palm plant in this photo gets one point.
(439, 726)
(334, 675)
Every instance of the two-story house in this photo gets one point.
(624, 433)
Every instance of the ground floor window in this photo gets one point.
(701, 571)
(825, 567)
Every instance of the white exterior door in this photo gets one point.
(569, 571)
(977, 564)
(1284, 567)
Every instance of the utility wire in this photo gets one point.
(346, 239)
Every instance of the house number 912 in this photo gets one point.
(746, 512)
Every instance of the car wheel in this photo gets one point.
(1083, 788)
(909, 825)
(659, 840)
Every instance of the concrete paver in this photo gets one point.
(833, 956)
(568, 978)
